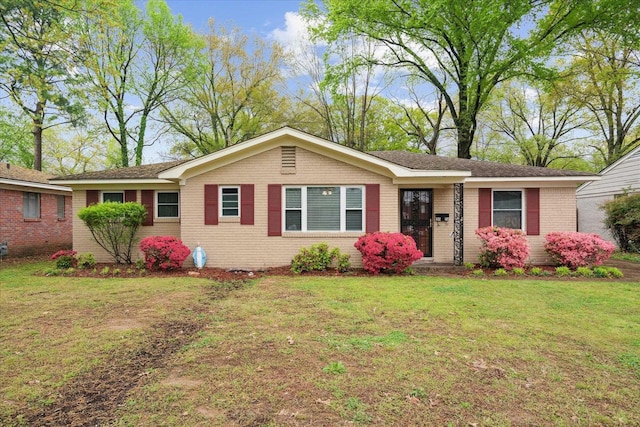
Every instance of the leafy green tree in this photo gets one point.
(622, 218)
(464, 49)
(15, 145)
(114, 226)
(235, 95)
(38, 62)
(603, 78)
(539, 120)
(77, 150)
(137, 62)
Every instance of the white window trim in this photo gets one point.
(64, 207)
(523, 218)
(157, 205)
(102, 193)
(343, 208)
(221, 209)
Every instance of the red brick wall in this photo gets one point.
(45, 235)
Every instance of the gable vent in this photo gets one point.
(288, 162)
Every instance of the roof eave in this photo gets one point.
(75, 182)
(29, 184)
(575, 178)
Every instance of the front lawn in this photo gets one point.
(317, 351)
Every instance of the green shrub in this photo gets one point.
(114, 226)
(86, 261)
(478, 272)
(105, 271)
(518, 271)
(65, 259)
(319, 258)
(500, 272)
(622, 217)
(584, 272)
(563, 271)
(536, 271)
(469, 265)
(614, 272)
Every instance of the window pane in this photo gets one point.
(113, 197)
(354, 198)
(31, 205)
(60, 207)
(293, 220)
(293, 198)
(323, 208)
(507, 200)
(508, 219)
(354, 220)
(230, 202)
(167, 211)
(168, 198)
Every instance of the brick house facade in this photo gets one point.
(35, 216)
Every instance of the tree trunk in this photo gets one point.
(38, 120)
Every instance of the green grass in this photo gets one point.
(331, 351)
(626, 256)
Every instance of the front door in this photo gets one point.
(415, 218)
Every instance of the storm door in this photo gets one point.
(415, 218)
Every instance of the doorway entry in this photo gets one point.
(416, 212)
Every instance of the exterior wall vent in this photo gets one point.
(288, 160)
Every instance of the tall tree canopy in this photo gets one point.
(137, 62)
(38, 63)
(465, 48)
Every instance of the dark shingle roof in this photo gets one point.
(477, 168)
(134, 172)
(17, 173)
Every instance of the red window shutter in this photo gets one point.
(485, 207)
(372, 208)
(274, 210)
(148, 197)
(246, 204)
(210, 204)
(130, 195)
(92, 197)
(533, 211)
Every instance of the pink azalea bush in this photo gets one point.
(573, 249)
(387, 252)
(65, 258)
(502, 247)
(163, 252)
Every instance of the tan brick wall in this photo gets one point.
(230, 244)
(557, 213)
(83, 241)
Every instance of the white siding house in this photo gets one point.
(618, 178)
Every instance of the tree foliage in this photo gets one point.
(622, 218)
(234, 96)
(147, 57)
(463, 49)
(37, 63)
(114, 226)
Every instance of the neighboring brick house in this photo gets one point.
(35, 216)
(256, 203)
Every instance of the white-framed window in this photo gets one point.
(167, 204)
(508, 209)
(30, 205)
(113, 196)
(61, 207)
(324, 208)
(230, 202)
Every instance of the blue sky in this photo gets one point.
(259, 16)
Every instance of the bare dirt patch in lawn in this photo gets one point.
(93, 398)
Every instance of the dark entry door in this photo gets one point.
(415, 218)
